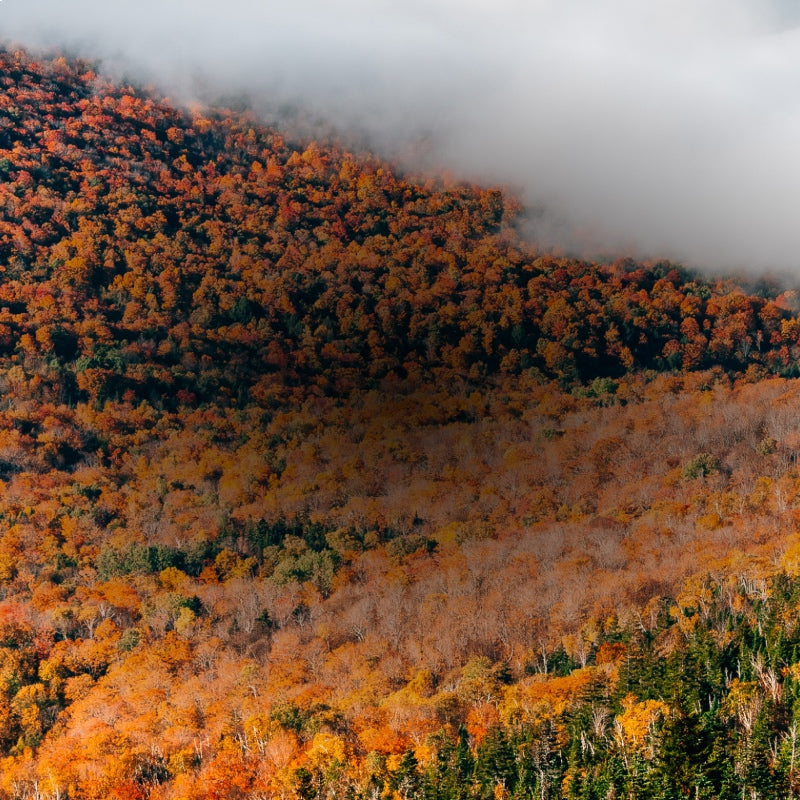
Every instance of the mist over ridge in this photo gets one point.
(666, 130)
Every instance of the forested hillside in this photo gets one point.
(318, 481)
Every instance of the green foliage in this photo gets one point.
(318, 568)
(602, 389)
(136, 558)
(402, 546)
(701, 466)
(767, 446)
(129, 639)
(706, 745)
(406, 779)
(495, 764)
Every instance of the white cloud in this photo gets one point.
(667, 127)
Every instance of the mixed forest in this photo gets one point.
(319, 481)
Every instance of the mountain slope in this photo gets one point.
(319, 480)
(176, 253)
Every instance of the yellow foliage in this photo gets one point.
(172, 578)
(741, 693)
(393, 762)
(424, 753)
(422, 683)
(229, 565)
(542, 695)
(184, 624)
(710, 521)
(500, 792)
(181, 761)
(790, 560)
(639, 719)
(327, 749)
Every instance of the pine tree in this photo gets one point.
(495, 763)
(406, 780)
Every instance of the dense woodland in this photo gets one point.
(317, 481)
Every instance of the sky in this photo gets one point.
(657, 129)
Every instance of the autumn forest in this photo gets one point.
(319, 481)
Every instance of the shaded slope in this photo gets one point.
(151, 251)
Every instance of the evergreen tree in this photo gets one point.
(495, 764)
(406, 780)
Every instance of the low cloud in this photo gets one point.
(661, 129)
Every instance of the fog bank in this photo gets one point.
(661, 129)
